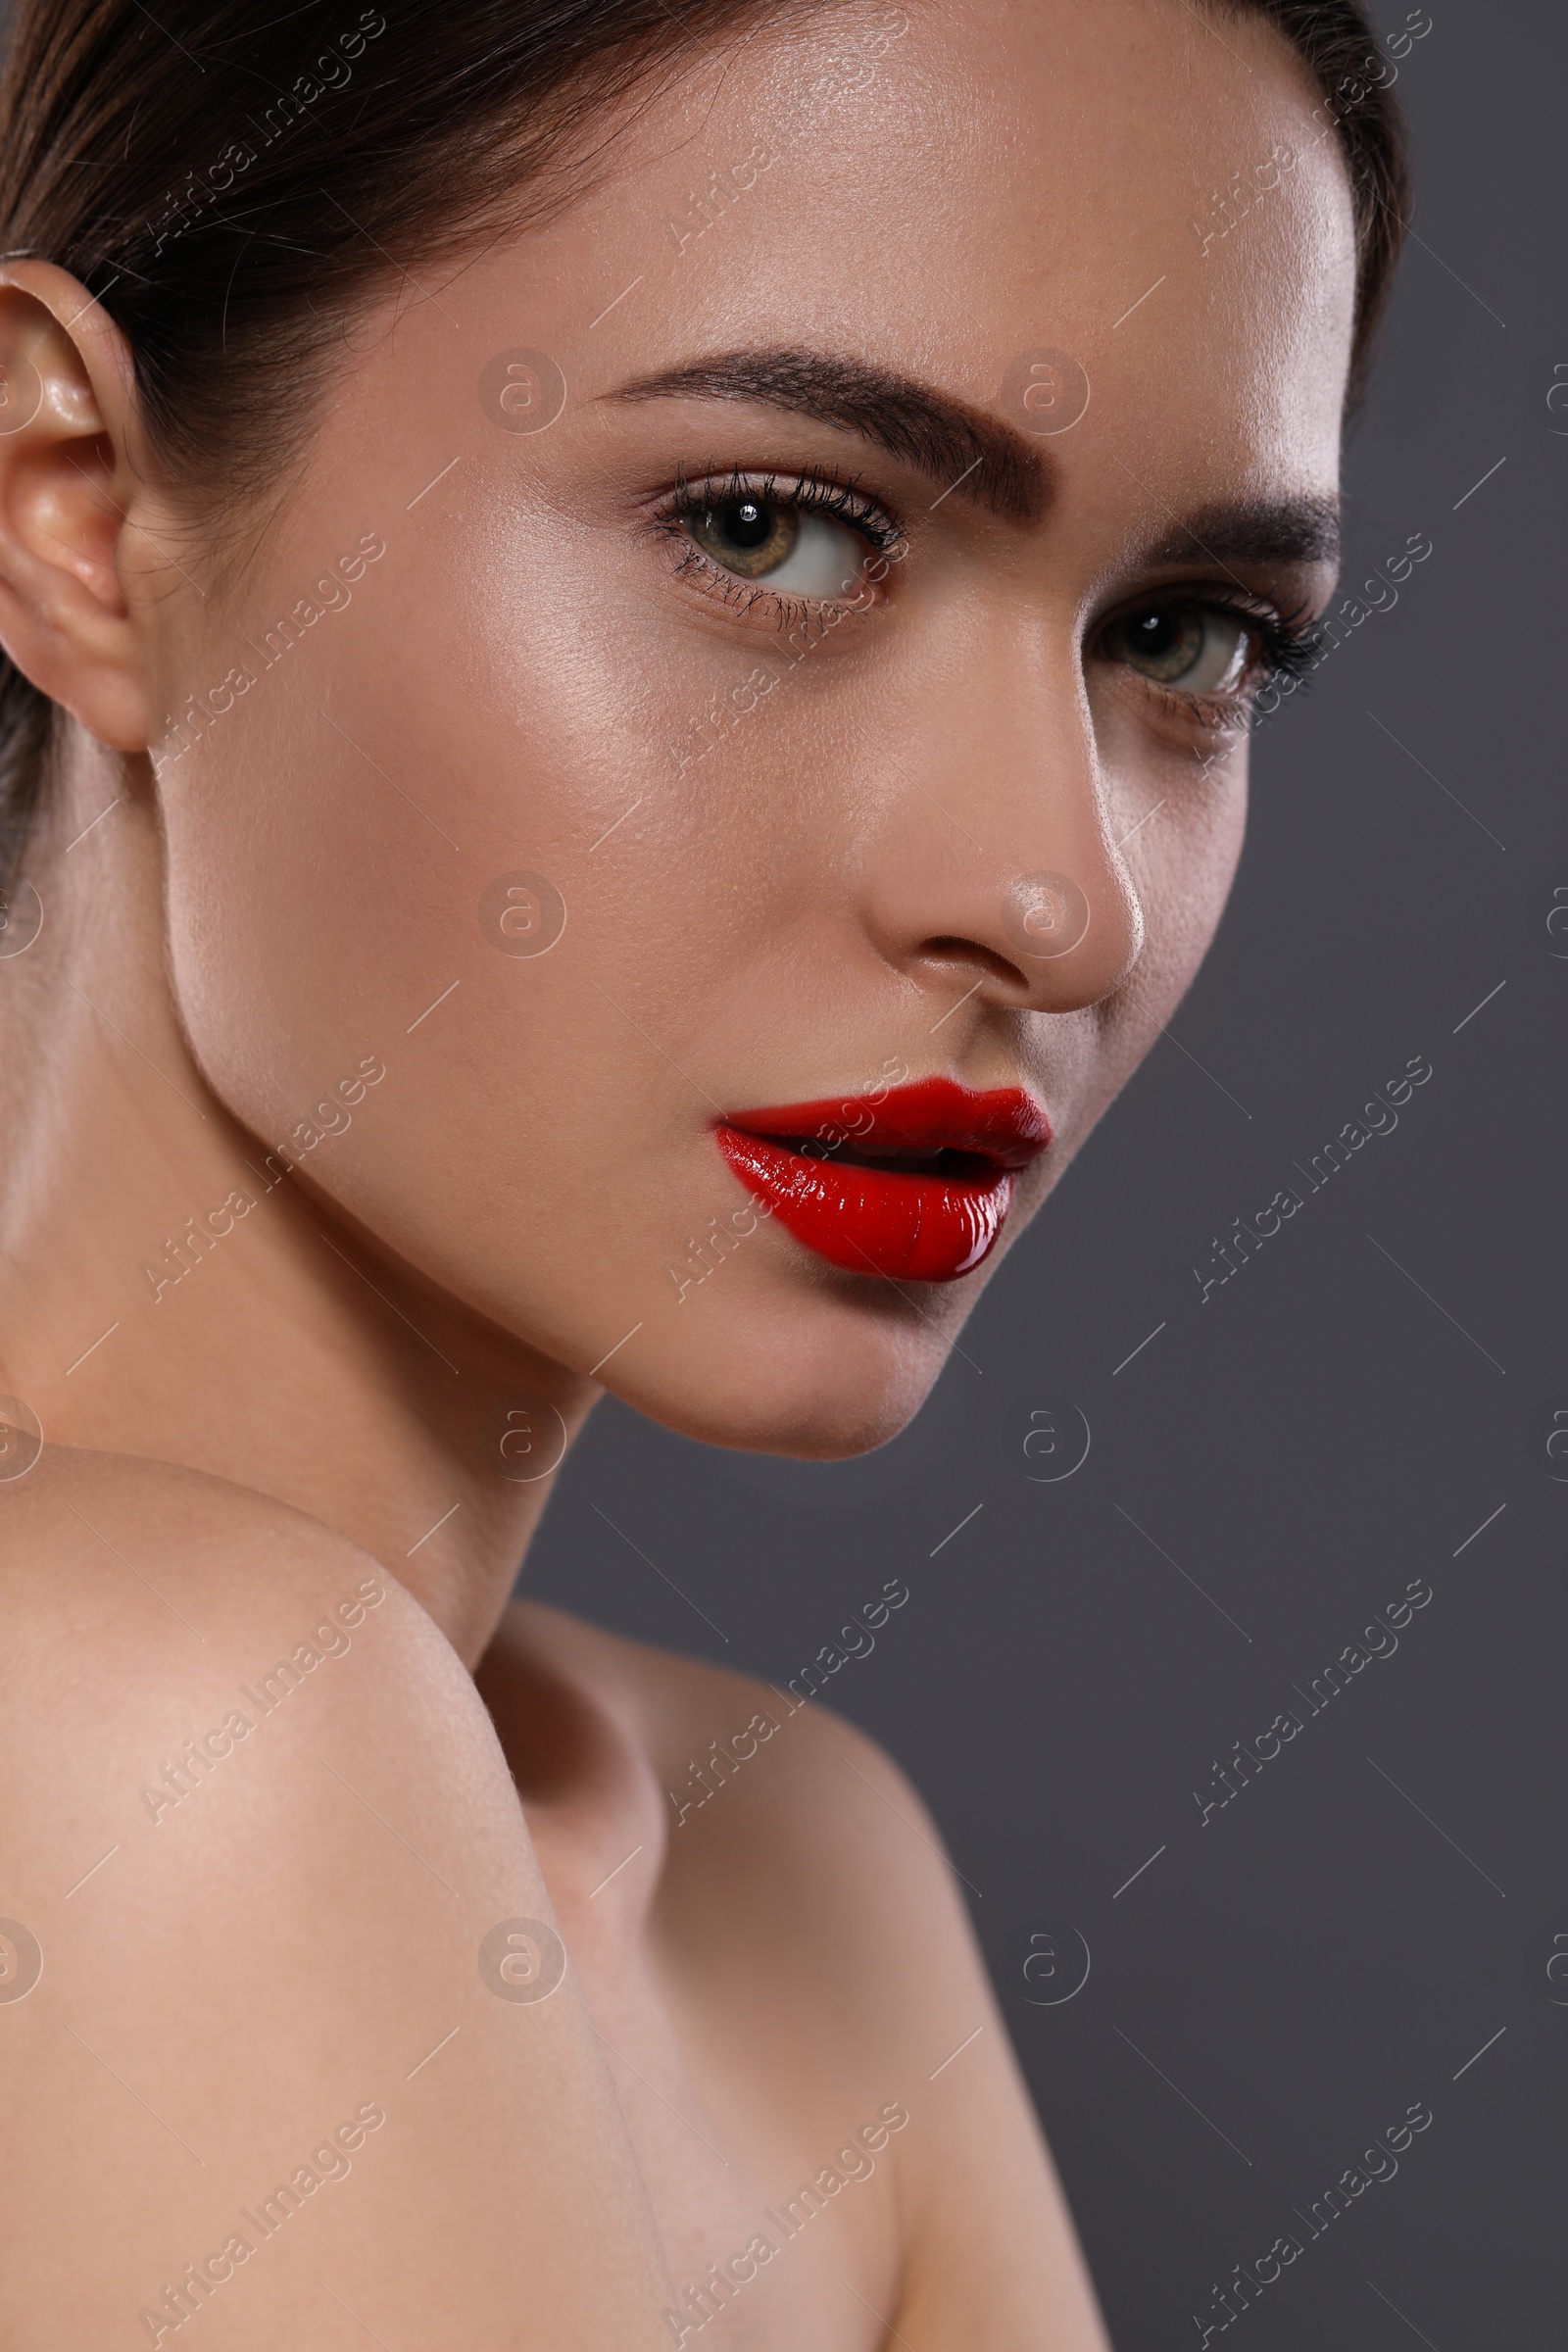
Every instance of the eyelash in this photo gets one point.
(810, 493)
(1288, 648)
(1287, 642)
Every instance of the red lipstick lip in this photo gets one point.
(1002, 1124)
(854, 1178)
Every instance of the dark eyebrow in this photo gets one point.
(1290, 531)
(974, 456)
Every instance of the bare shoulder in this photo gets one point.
(807, 1885)
(174, 1643)
(731, 1749)
(139, 1599)
(84, 1533)
(794, 1847)
(176, 1504)
(257, 1828)
(172, 1639)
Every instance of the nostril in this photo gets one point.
(970, 952)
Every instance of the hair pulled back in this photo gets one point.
(233, 182)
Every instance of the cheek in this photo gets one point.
(490, 875)
(308, 900)
(1184, 861)
(413, 795)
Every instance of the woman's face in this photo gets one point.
(779, 635)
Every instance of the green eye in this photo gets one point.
(1198, 648)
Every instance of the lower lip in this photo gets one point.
(871, 1221)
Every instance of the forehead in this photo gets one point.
(944, 191)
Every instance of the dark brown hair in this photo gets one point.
(231, 180)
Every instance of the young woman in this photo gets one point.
(631, 628)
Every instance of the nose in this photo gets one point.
(992, 858)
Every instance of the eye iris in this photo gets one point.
(747, 535)
(1165, 644)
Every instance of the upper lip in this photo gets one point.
(1002, 1124)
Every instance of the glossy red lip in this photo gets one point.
(914, 1186)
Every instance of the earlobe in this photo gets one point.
(67, 429)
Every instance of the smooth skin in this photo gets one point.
(771, 908)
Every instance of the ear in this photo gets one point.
(70, 445)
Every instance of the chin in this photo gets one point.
(819, 1375)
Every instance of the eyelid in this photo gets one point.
(812, 491)
(1287, 647)
(809, 492)
(1287, 635)
(1207, 595)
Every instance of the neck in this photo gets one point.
(171, 1287)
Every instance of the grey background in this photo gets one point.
(1281, 1983)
